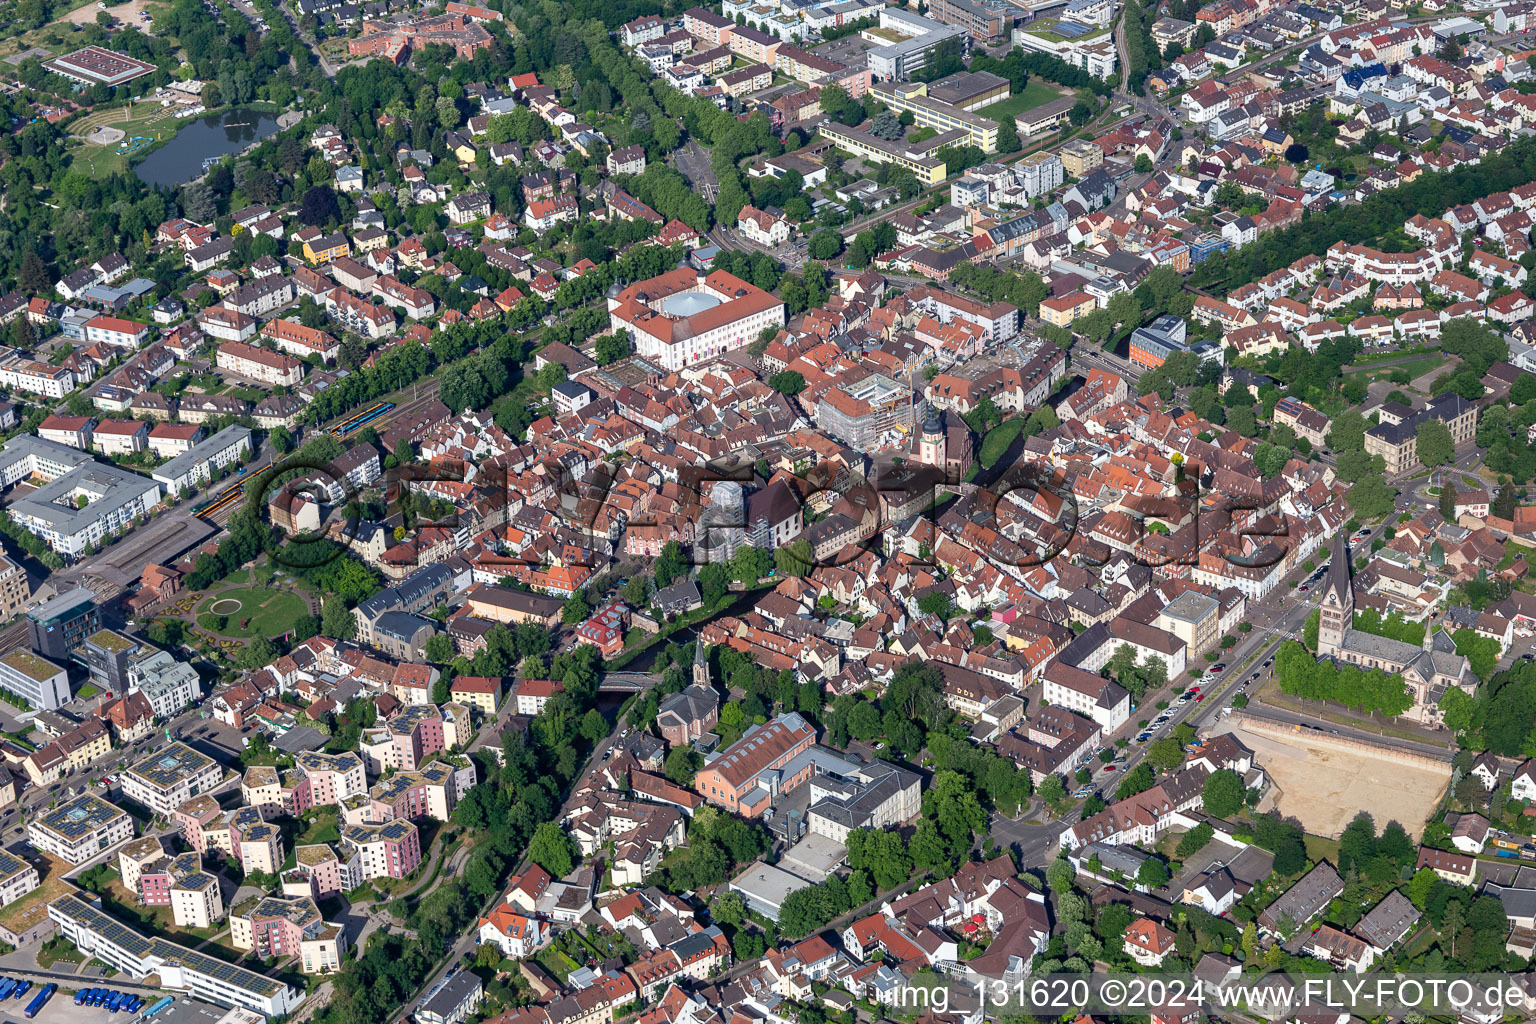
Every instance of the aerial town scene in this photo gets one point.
(776, 512)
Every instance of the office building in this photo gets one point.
(916, 41)
(35, 679)
(986, 21)
(914, 98)
(106, 654)
(683, 316)
(917, 157)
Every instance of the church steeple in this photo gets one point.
(700, 664)
(1336, 615)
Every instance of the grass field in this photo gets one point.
(262, 612)
(998, 440)
(1035, 94)
(146, 119)
(1415, 369)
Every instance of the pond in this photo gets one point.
(180, 160)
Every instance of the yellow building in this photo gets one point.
(482, 693)
(1061, 312)
(326, 248)
(928, 112)
(914, 157)
(1080, 156)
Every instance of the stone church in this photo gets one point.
(1428, 670)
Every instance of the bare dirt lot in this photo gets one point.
(1324, 782)
(127, 13)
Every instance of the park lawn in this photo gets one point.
(1035, 94)
(263, 612)
(1415, 368)
(98, 161)
(322, 830)
(997, 441)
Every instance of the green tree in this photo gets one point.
(1052, 790)
(593, 725)
(1153, 873)
(787, 382)
(681, 765)
(1371, 497)
(1193, 841)
(825, 245)
(1435, 447)
(576, 609)
(438, 648)
(1165, 754)
(1223, 794)
(795, 559)
(551, 849)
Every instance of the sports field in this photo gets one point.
(1035, 94)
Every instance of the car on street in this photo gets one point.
(1110, 767)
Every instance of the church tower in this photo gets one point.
(931, 446)
(1336, 615)
(700, 664)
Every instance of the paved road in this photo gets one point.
(471, 939)
(1280, 616)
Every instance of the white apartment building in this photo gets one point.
(1104, 701)
(80, 830)
(273, 368)
(170, 776)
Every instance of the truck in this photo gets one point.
(40, 1000)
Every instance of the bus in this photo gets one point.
(40, 1000)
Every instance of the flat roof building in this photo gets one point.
(170, 776)
(40, 682)
(81, 829)
(195, 467)
(96, 65)
(180, 969)
(85, 506)
(58, 626)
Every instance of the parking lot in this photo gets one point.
(61, 1009)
